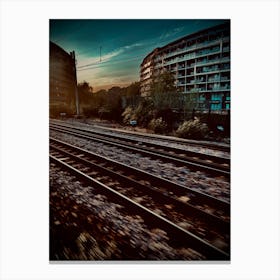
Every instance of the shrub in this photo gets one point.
(128, 115)
(158, 125)
(193, 129)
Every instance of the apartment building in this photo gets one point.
(200, 63)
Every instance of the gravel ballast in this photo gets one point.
(85, 225)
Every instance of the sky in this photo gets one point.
(109, 52)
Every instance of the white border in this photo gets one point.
(24, 138)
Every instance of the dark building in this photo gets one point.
(63, 81)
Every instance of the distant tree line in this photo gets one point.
(107, 104)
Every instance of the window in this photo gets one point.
(216, 96)
(216, 106)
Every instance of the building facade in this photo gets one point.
(62, 80)
(200, 63)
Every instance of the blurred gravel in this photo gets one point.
(84, 225)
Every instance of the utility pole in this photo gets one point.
(76, 87)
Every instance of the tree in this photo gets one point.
(112, 106)
(163, 91)
(165, 98)
(190, 103)
(85, 92)
(133, 94)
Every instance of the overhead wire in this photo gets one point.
(110, 62)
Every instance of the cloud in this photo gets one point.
(106, 57)
(119, 51)
(170, 33)
(110, 55)
(133, 46)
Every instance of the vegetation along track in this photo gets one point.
(197, 161)
(142, 190)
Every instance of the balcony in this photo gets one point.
(225, 78)
(210, 80)
(190, 74)
(219, 89)
(201, 89)
(225, 67)
(207, 70)
(206, 43)
(193, 90)
(227, 87)
(225, 59)
(201, 62)
(189, 56)
(180, 84)
(204, 52)
(170, 61)
(200, 81)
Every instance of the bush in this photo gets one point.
(193, 129)
(158, 125)
(88, 111)
(128, 115)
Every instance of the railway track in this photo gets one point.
(168, 139)
(126, 134)
(189, 222)
(196, 161)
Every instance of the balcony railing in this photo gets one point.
(194, 46)
(206, 69)
(225, 67)
(201, 89)
(202, 62)
(218, 88)
(225, 78)
(225, 88)
(204, 52)
(200, 81)
(213, 80)
(212, 61)
(190, 74)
